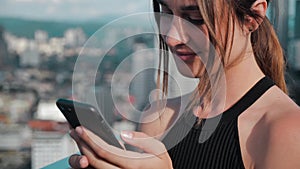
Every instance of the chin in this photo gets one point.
(192, 69)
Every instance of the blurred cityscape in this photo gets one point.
(35, 71)
(37, 66)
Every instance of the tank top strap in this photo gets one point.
(248, 99)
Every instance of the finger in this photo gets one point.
(95, 161)
(112, 154)
(94, 141)
(92, 158)
(75, 137)
(89, 152)
(84, 149)
(78, 161)
(144, 142)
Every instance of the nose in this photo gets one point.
(177, 33)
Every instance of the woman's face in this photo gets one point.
(186, 35)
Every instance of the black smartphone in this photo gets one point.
(89, 117)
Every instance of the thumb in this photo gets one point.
(144, 142)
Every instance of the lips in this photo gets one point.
(185, 55)
(183, 52)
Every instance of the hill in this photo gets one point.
(26, 27)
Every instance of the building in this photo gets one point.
(4, 60)
(50, 138)
(74, 37)
(50, 142)
(30, 57)
(14, 146)
(50, 146)
(40, 36)
(49, 111)
(14, 137)
(293, 9)
(285, 16)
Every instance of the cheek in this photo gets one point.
(199, 42)
(165, 24)
(201, 45)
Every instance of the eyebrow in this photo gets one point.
(190, 8)
(184, 8)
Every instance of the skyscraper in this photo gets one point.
(4, 59)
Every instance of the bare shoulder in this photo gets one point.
(281, 107)
(284, 142)
(157, 117)
(279, 133)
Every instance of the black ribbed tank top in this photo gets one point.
(212, 147)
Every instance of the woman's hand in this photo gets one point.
(99, 154)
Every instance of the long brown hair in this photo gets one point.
(266, 47)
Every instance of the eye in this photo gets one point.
(194, 17)
(195, 20)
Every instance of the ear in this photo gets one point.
(259, 7)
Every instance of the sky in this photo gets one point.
(70, 10)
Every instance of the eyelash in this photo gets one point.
(195, 21)
(188, 18)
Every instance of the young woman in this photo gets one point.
(259, 125)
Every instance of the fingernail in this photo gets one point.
(127, 134)
(79, 130)
(83, 162)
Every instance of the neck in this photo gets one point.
(240, 78)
